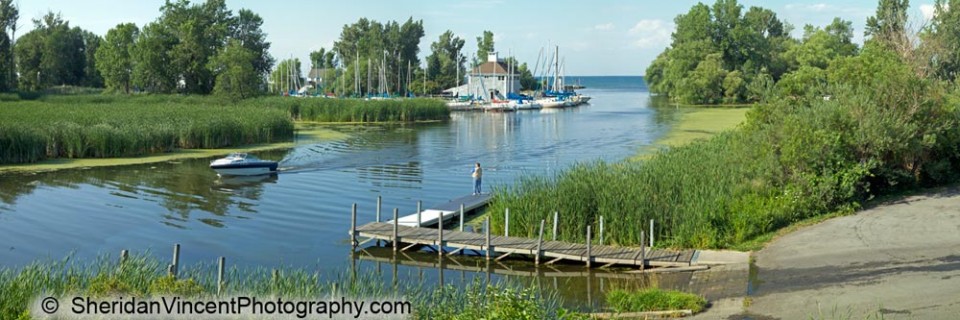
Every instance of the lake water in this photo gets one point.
(301, 217)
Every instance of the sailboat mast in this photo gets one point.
(556, 70)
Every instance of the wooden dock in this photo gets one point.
(446, 211)
(501, 246)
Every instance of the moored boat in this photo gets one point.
(242, 164)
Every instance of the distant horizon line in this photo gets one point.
(602, 75)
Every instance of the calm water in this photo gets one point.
(301, 216)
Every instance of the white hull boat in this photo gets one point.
(529, 105)
(242, 164)
(550, 103)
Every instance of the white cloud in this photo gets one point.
(650, 33)
(817, 7)
(829, 9)
(605, 26)
(929, 10)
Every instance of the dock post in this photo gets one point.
(601, 230)
(506, 222)
(220, 265)
(539, 243)
(588, 247)
(486, 230)
(556, 219)
(643, 253)
(379, 204)
(396, 244)
(353, 227)
(651, 233)
(440, 238)
(123, 255)
(461, 217)
(176, 260)
(419, 210)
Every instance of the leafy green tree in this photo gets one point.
(889, 24)
(705, 84)
(484, 47)
(247, 29)
(941, 39)
(28, 51)
(116, 57)
(807, 80)
(236, 72)
(368, 47)
(9, 14)
(445, 60)
(821, 46)
(91, 74)
(733, 87)
(53, 53)
(152, 68)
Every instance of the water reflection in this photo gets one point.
(180, 187)
(579, 287)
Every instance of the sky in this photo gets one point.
(597, 37)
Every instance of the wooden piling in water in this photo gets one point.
(601, 230)
(170, 270)
(123, 255)
(440, 237)
(461, 217)
(176, 259)
(353, 227)
(419, 212)
(396, 222)
(651, 233)
(506, 222)
(556, 219)
(221, 264)
(486, 231)
(379, 204)
(539, 244)
(643, 253)
(589, 253)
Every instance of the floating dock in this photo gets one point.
(446, 211)
(411, 231)
(501, 246)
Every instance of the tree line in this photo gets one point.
(726, 54)
(371, 57)
(205, 48)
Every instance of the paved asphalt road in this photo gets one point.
(899, 260)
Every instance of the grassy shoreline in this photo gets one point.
(91, 126)
(180, 154)
(695, 124)
(145, 277)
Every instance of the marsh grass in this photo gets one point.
(654, 299)
(109, 126)
(144, 276)
(358, 110)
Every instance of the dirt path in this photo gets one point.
(900, 260)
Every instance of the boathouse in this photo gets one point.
(489, 79)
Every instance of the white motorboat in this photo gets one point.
(242, 164)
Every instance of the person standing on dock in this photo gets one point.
(477, 177)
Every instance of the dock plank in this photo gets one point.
(526, 247)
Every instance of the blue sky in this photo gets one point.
(598, 37)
